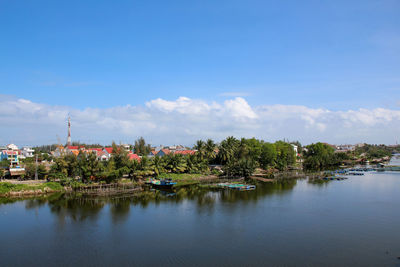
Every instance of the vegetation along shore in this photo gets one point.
(240, 159)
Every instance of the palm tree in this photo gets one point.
(176, 163)
(200, 147)
(158, 165)
(228, 148)
(209, 148)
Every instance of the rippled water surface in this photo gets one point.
(355, 222)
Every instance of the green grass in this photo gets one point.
(6, 187)
(181, 176)
(182, 179)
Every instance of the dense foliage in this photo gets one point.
(374, 151)
(141, 148)
(239, 157)
(319, 156)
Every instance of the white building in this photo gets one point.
(295, 148)
(12, 147)
(27, 152)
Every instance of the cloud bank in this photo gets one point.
(185, 120)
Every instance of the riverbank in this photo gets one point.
(29, 188)
(15, 188)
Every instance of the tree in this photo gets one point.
(73, 167)
(285, 155)
(141, 148)
(319, 156)
(268, 155)
(242, 168)
(89, 167)
(209, 149)
(2, 172)
(5, 164)
(227, 149)
(200, 146)
(254, 148)
(30, 170)
(120, 156)
(175, 163)
(60, 166)
(158, 165)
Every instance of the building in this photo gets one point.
(152, 154)
(11, 156)
(108, 151)
(73, 150)
(12, 147)
(133, 156)
(100, 154)
(27, 152)
(345, 148)
(163, 152)
(60, 151)
(185, 152)
(295, 148)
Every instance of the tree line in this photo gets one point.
(238, 157)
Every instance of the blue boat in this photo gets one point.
(166, 183)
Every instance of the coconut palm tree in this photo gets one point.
(200, 147)
(209, 148)
(176, 163)
(227, 149)
(158, 165)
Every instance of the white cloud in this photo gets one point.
(184, 120)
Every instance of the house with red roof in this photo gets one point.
(163, 152)
(185, 152)
(133, 156)
(108, 151)
(100, 154)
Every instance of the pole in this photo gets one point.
(36, 174)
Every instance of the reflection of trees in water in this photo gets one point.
(79, 209)
(318, 182)
(76, 208)
(41, 201)
(262, 190)
(119, 209)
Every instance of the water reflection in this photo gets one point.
(78, 208)
(281, 223)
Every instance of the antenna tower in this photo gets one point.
(69, 131)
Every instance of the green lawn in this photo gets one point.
(6, 187)
(182, 178)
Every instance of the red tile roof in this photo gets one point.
(72, 147)
(185, 152)
(109, 150)
(100, 153)
(133, 157)
(95, 149)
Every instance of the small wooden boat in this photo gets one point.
(161, 184)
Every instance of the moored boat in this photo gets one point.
(161, 184)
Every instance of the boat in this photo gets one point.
(166, 183)
(240, 187)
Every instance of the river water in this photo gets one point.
(355, 222)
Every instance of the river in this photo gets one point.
(355, 222)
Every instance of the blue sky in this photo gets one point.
(335, 55)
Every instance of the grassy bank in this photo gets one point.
(183, 179)
(9, 189)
